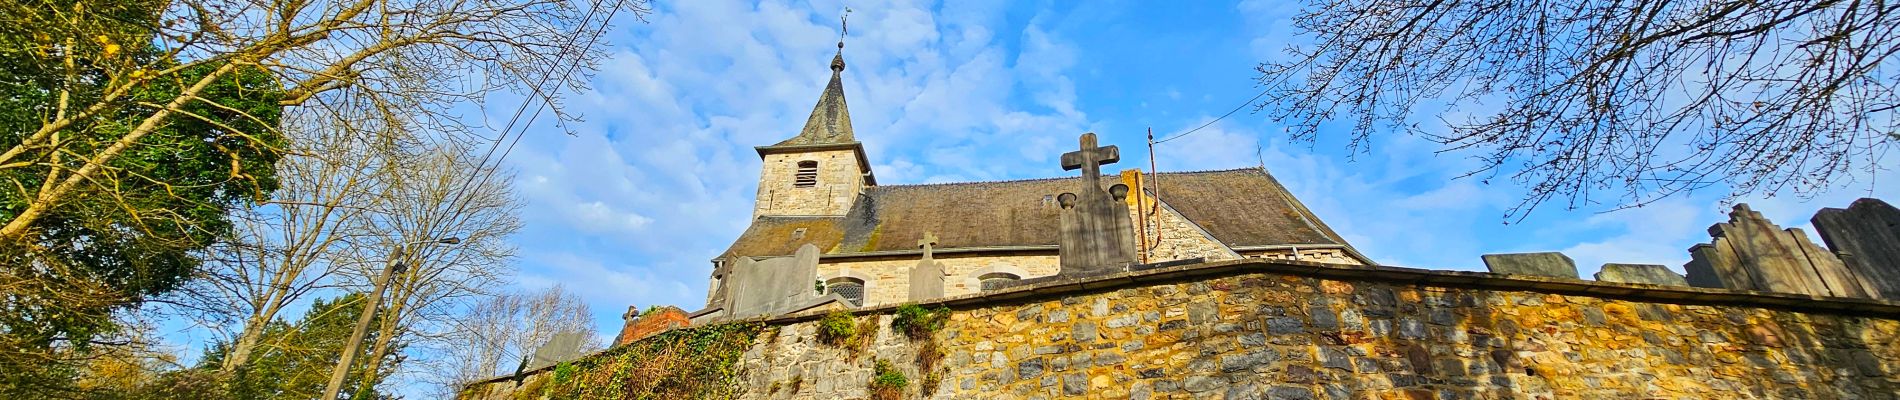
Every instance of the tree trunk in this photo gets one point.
(240, 353)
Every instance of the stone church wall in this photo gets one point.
(1179, 239)
(1289, 330)
(887, 281)
(1168, 234)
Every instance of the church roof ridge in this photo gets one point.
(1238, 207)
(1027, 180)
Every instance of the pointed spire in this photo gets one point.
(830, 121)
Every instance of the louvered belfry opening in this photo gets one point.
(807, 175)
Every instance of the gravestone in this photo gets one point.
(1551, 264)
(1866, 236)
(772, 286)
(1710, 267)
(1097, 237)
(1751, 253)
(562, 347)
(926, 279)
(1640, 273)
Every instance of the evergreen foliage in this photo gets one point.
(294, 359)
(134, 233)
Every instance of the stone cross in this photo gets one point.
(1096, 234)
(926, 243)
(926, 279)
(1090, 159)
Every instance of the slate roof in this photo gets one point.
(1241, 207)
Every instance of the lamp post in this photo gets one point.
(390, 269)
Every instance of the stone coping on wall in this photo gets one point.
(1345, 272)
(1422, 277)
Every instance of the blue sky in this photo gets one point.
(661, 175)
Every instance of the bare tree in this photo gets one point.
(446, 191)
(1644, 99)
(409, 57)
(292, 245)
(492, 336)
(100, 94)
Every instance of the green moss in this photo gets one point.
(932, 381)
(918, 322)
(563, 371)
(877, 233)
(837, 328)
(886, 381)
(532, 389)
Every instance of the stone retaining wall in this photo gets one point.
(1277, 330)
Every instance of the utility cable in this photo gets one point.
(1256, 97)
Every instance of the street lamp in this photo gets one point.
(390, 270)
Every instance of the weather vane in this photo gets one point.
(843, 28)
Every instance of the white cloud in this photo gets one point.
(598, 217)
(661, 177)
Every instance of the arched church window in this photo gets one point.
(807, 175)
(849, 288)
(996, 280)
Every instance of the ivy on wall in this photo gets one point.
(691, 363)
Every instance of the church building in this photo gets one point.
(825, 233)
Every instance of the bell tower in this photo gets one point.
(820, 171)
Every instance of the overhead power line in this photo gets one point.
(535, 92)
(1223, 116)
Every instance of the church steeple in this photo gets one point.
(820, 171)
(830, 121)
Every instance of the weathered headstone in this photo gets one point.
(562, 347)
(926, 279)
(1096, 234)
(1751, 253)
(772, 286)
(1710, 266)
(1640, 273)
(1551, 264)
(1866, 236)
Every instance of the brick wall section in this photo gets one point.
(839, 182)
(1279, 335)
(651, 323)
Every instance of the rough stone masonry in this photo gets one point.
(1255, 329)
